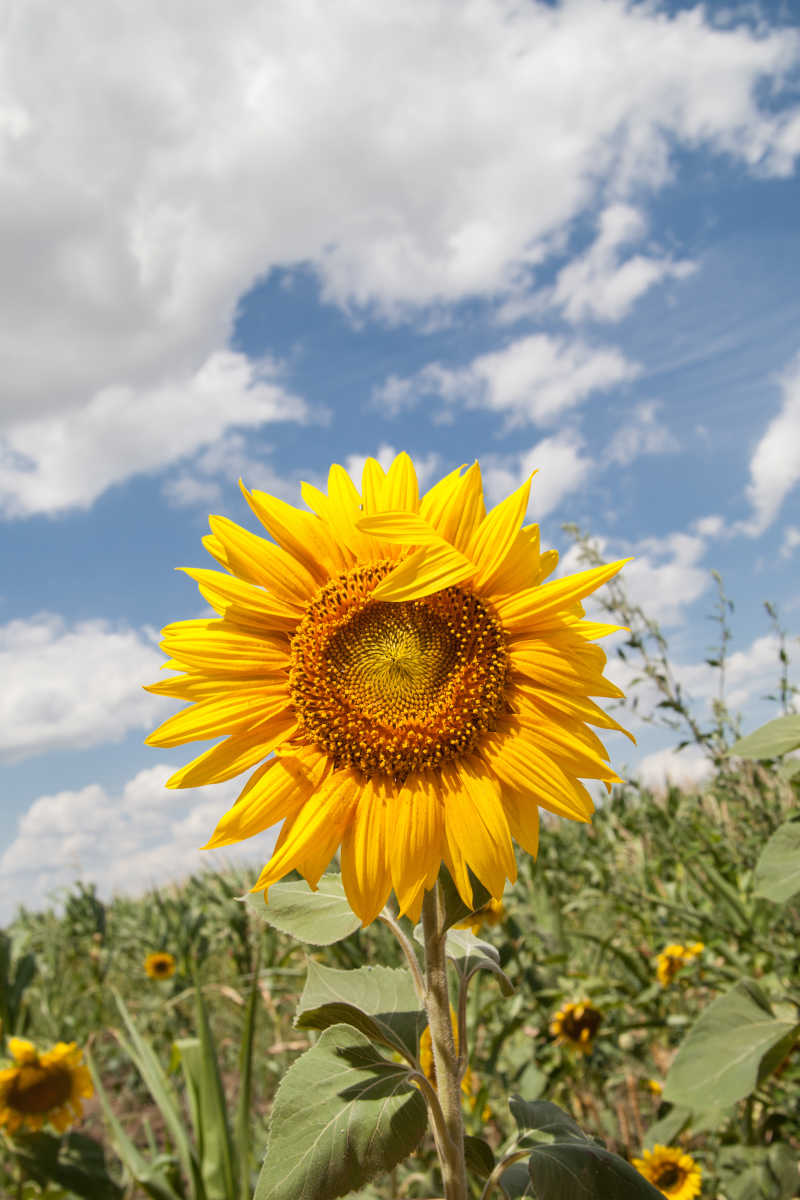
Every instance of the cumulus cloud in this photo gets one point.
(125, 843)
(561, 469)
(642, 433)
(77, 686)
(685, 769)
(791, 540)
(48, 464)
(775, 464)
(598, 285)
(533, 379)
(179, 161)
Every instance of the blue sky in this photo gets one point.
(554, 236)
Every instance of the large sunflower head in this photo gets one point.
(417, 689)
(160, 965)
(42, 1087)
(673, 1172)
(576, 1025)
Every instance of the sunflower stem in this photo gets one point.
(445, 1057)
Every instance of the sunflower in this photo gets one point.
(576, 1025)
(42, 1087)
(491, 914)
(674, 1173)
(420, 689)
(673, 958)
(469, 1084)
(160, 965)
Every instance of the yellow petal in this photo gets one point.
(562, 662)
(427, 571)
(212, 718)
(317, 829)
(525, 611)
(402, 528)
(416, 839)
(522, 813)
(372, 478)
(203, 687)
(497, 532)
(475, 820)
(521, 567)
(273, 794)
(364, 858)
(219, 648)
(261, 562)
(241, 603)
(579, 707)
(516, 759)
(236, 754)
(302, 534)
(454, 506)
(400, 489)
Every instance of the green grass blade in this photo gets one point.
(241, 1125)
(163, 1093)
(209, 1110)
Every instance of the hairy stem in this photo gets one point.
(445, 1058)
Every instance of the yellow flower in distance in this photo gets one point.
(576, 1025)
(422, 689)
(160, 965)
(672, 958)
(674, 1173)
(491, 914)
(42, 1087)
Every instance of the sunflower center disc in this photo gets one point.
(40, 1089)
(669, 1176)
(393, 688)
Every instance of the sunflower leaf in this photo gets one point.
(542, 1116)
(379, 1001)
(319, 918)
(454, 907)
(771, 740)
(342, 1114)
(585, 1171)
(734, 1044)
(777, 874)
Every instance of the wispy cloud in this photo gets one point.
(775, 464)
(532, 380)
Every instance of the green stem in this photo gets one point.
(445, 1058)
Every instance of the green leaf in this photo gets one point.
(379, 1001)
(147, 1175)
(666, 1130)
(777, 873)
(584, 1171)
(771, 740)
(207, 1108)
(479, 1156)
(541, 1116)
(454, 907)
(74, 1161)
(319, 918)
(342, 1114)
(758, 1172)
(160, 1088)
(469, 953)
(241, 1123)
(734, 1044)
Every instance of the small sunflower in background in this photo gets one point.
(160, 965)
(43, 1088)
(673, 958)
(491, 914)
(418, 686)
(654, 1087)
(672, 1171)
(469, 1084)
(576, 1025)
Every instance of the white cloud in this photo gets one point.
(73, 687)
(665, 578)
(143, 837)
(791, 540)
(686, 769)
(52, 463)
(710, 526)
(561, 469)
(533, 379)
(598, 285)
(149, 187)
(775, 464)
(641, 434)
